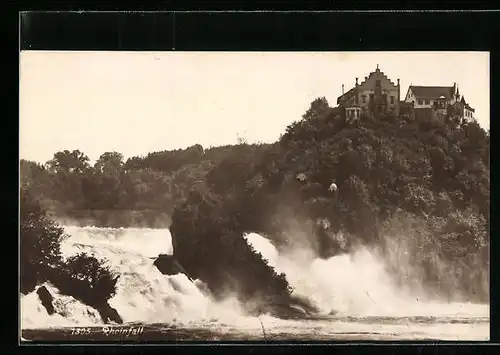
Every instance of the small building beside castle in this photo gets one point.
(439, 99)
(375, 95)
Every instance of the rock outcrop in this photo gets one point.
(46, 299)
(109, 314)
(168, 265)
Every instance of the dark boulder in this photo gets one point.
(109, 314)
(168, 265)
(46, 299)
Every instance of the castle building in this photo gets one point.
(375, 95)
(378, 95)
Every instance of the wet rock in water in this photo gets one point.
(109, 314)
(168, 265)
(46, 299)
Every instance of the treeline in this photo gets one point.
(421, 188)
(141, 191)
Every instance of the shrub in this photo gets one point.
(87, 278)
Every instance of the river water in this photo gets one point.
(357, 298)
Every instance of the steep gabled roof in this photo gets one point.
(469, 108)
(432, 92)
(349, 93)
(466, 104)
(345, 96)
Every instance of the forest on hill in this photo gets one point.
(419, 186)
(138, 192)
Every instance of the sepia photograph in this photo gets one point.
(254, 196)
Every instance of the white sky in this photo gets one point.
(139, 102)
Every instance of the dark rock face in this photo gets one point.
(109, 314)
(46, 299)
(168, 265)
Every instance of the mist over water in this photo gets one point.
(357, 284)
(349, 288)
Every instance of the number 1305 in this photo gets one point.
(80, 331)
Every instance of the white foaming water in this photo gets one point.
(69, 312)
(355, 285)
(143, 294)
(147, 242)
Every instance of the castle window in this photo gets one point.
(427, 102)
(392, 100)
(377, 83)
(363, 99)
(420, 102)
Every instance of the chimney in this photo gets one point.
(356, 81)
(398, 99)
(342, 89)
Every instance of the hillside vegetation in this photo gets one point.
(418, 191)
(421, 189)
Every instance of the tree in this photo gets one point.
(110, 164)
(37, 179)
(40, 240)
(318, 107)
(72, 162)
(105, 184)
(69, 169)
